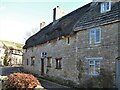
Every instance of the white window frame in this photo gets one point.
(94, 59)
(90, 37)
(103, 7)
(94, 67)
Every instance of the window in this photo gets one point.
(95, 36)
(25, 50)
(94, 67)
(58, 63)
(68, 40)
(105, 7)
(33, 61)
(27, 62)
(16, 60)
(49, 61)
(32, 49)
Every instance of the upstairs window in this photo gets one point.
(95, 36)
(68, 40)
(105, 7)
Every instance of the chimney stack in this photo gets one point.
(42, 24)
(57, 13)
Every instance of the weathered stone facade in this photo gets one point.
(82, 62)
(11, 53)
(56, 49)
(107, 49)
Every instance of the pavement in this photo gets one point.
(53, 86)
(8, 70)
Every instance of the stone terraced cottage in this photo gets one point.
(10, 53)
(80, 49)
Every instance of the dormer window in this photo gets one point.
(105, 7)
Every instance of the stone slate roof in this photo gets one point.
(95, 18)
(81, 18)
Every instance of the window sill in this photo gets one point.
(32, 65)
(49, 66)
(58, 68)
(95, 44)
(104, 12)
(93, 74)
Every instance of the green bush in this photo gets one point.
(5, 60)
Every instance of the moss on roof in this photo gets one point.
(12, 44)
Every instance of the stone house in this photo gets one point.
(11, 52)
(15, 56)
(81, 48)
(2, 53)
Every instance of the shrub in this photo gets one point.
(22, 80)
(5, 60)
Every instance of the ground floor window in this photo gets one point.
(94, 65)
(27, 62)
(49, 61)
(58, 63)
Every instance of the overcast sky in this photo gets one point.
(20, 16)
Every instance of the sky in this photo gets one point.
(18, 18)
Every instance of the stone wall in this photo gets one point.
(107, 49)
(74, 64)
(55, 49)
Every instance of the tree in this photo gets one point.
(30, 33)
(6, 60)
(34, 30)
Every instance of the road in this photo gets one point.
(46, 84)
(8, 70)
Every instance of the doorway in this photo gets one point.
(42, 66)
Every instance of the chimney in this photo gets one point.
(54, 14)
(42, 24)
(57, 13)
